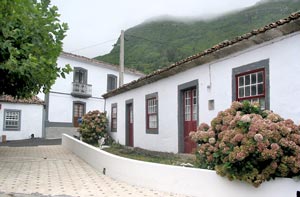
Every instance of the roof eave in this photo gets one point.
(100, 63)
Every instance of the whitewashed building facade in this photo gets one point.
(158, 111)
(80, 92)
(21, 118)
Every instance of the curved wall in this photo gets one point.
(175, 179)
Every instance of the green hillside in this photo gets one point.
(153, 45)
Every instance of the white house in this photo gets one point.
(158, 111)
(80, 92)
(21, 118)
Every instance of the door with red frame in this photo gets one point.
(78, 113)
(130, 124)
(190, 105)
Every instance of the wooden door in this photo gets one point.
(130, 124)
(190, 114)
(78, 113)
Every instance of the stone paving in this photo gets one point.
(54, 171)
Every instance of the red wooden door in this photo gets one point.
(190, 118)
(130, 124)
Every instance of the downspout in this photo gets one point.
(104, 105)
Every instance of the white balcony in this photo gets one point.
(81, 90)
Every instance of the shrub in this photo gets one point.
(94, 127)
(248, 144)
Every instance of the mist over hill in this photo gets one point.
(161, 41)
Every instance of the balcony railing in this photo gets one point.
(81, 90)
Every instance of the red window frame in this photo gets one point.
(114, 118)
(148, 114)
(249, 73)
(251, 97)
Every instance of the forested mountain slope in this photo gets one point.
(159, 43)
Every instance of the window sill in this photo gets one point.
(8, 130)
(151, 131)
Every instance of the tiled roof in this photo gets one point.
(32, 100)
(257, 36)
(100, 63)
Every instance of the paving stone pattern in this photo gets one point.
(38, 171)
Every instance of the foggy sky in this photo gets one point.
(95, 25)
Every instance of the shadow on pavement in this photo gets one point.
(31, 142)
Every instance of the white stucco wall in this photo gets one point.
(31, 121)
(60, 98)
(284, 66)
(97, 76)
(61, 107)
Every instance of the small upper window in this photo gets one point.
(12, 120)
(80, 75)
(111, 82)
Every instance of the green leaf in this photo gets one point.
(216, 155)
(28, 54)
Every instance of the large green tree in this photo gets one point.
(30, 41)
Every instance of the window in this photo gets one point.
(211, 105)
(251, 82)
(187, 101)
(114, 117)
(80, 75)
(251, 87)
(80, 87)
(152, 113)
(194, 96)
(111, 82)
(190, 105)
(78, 112)
(12, 120)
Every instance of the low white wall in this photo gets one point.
(176, 179)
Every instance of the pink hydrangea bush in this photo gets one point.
(94, 127)
(248, 144)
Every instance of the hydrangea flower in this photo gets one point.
(258, 137)
(248, 144)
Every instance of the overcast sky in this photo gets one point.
(95, 25)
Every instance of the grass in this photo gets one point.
(187, 160)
